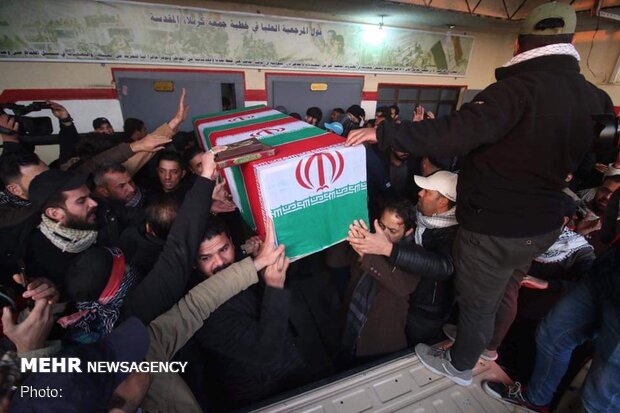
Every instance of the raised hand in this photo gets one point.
(275, 274)
(58, 110)
(8, 122)
(209, 167)
(181, 114)
(268, 252)
(150, 143)
(418, 114)
(362, 135)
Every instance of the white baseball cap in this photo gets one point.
(443, 182)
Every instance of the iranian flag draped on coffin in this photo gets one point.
(313, 187)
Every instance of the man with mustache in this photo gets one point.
(252, 346)
(68, 223)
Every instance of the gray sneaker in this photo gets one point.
(450, 331)
(438, 361)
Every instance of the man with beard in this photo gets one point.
(17, 170)
(68, 223)
(121, 202)
(597, 200)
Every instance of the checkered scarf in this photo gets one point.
(67, 239)
(443, 220)
(361, 301)
(97, 318)
(552, 49)
(566, 245)
(136, 200)
(7, 198)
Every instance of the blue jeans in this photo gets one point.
(583, 314)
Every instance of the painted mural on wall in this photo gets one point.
(115, 31)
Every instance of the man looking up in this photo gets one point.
(540, 112)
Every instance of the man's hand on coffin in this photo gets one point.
(209, 167)
(221, 199)
(252, 246)
(371, 243)
(362, 135)
(268, 252)
(181, 114)
(275, 274)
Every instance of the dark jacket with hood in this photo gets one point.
(522, 136)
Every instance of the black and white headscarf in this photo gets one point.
(567, 244)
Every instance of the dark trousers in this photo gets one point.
(484, 265)
(507, 311)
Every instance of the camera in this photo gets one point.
(606, 131)
(30, 126)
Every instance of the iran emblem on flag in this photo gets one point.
(313, 188)
(313, 196)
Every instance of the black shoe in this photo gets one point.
(511, 393)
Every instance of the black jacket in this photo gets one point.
(141, 249)
(522, 136)
(433, 297)
(166, 283)
(250, 348)
(113, 218)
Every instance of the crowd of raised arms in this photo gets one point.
(493, 227)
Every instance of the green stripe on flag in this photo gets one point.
(300, 230)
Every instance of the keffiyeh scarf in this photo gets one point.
(67, 239)
(94, 319)
(7, 198)
(443, 220)
(136, 200)
(552, 49)
(567, 244)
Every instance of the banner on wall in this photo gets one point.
(117, 31)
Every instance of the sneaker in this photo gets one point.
(450, 331)
(512, 394)
(439, 362)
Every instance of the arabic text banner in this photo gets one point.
(115, 31)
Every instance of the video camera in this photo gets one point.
(29, 126)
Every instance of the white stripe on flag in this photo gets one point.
(238, 117)
(264, 132)
(303, 176)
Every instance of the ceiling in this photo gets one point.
(465, 15)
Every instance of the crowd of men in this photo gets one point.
(485, 229)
